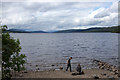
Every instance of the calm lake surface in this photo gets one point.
(51, 50)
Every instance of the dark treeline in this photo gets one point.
(114, 29)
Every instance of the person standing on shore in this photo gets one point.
(69, 64)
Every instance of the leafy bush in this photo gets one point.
(12, 60)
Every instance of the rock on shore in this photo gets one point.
(106, 66)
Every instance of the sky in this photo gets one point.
(52, 16)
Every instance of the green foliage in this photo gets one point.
(117, 30)
(18, 62)
(4, 28)
(11, 57)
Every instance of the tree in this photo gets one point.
(117, 29)
(11, 57)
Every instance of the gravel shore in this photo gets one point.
(88, 73)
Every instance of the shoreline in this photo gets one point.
(104, 70)
(92, 63)
(88, 73)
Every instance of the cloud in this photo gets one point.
(109, 16)
(58, 15)
(59, 0)
(102, 12)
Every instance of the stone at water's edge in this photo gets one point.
(95, 77)
(106, 66)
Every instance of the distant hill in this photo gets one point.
(96, 29)
(37, 32)
(114, 29)
(23, 31)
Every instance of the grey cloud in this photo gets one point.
(53, 16)
(102, 14)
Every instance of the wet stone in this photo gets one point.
(95, 77)
(20, 75)
(52, 65)
(61, 67)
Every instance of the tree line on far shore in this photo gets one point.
(114, 29)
